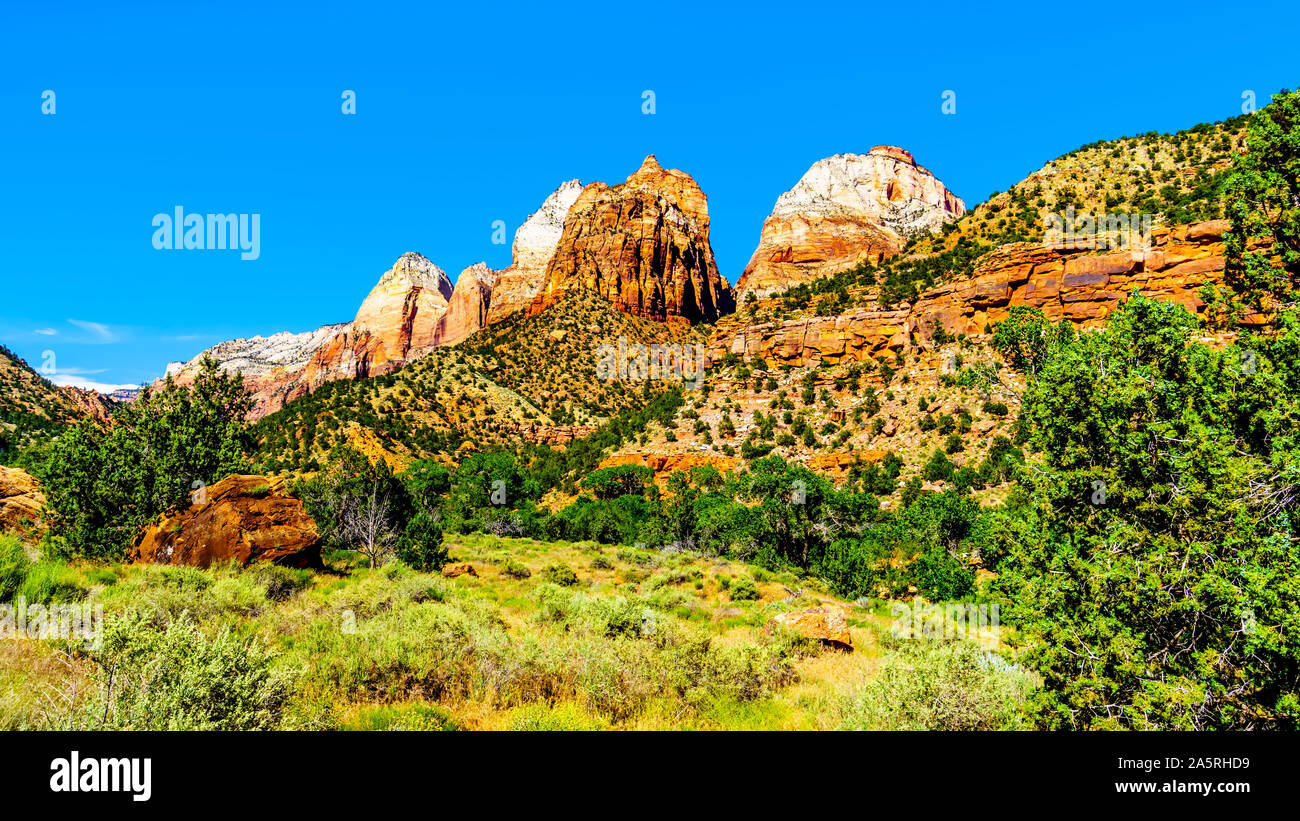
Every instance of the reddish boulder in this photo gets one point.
(21, 503)
(243, 518)
(451, 571)
(828, 624)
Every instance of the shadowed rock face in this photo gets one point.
(470, 304)
(846, 210)
(644, 246)
(244, 518)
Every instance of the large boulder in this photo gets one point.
(243, 518)
(21, 502)
(828, 624)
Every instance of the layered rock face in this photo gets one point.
(644, 246)
(470, 303)
(846, 210)
(1064, 283)
(534, 246)
(244, 518)
(21, 502)
(271, 365)
(396, 323)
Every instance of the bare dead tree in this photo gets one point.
(367, 523)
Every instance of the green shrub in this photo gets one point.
(743, 589)
(928, 685)
(52, 583)
(560, 574)
(281, 582)
(562, 717)
(176, 678)
(601, 562)
(516, 569)
(996, 408)
(14, 566)
(239, 594)
(421, 544)
(405, 718)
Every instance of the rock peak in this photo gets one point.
(847, 210)
(901, 154)
(650, 165)
(643, 245)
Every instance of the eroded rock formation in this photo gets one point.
(644, 246)
(396, 323)
(846, 210)
(534, 246)
(271, 365)
(470, 303)
(1081, 286)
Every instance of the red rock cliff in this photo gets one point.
(644, 246)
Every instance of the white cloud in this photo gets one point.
(74, 381)
(46, 332)
(98, 329)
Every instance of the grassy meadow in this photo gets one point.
(544, 636)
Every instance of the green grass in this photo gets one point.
(643, 640)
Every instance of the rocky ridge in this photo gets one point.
(1078, 285)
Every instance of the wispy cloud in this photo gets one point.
(72, 381)
(46, 332)
(103, 332)
(78, 371)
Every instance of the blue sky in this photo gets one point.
(473, 113)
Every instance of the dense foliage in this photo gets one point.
(104, 484)
(1151, 557)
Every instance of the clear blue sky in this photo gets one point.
(473, 112)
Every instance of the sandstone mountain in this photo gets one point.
(524, 379)
(534, 246)
(272, 365)
(643, 245)
(1083, 286)
(396, 323)
(470, 302)
(846, 210)
(412, 309)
